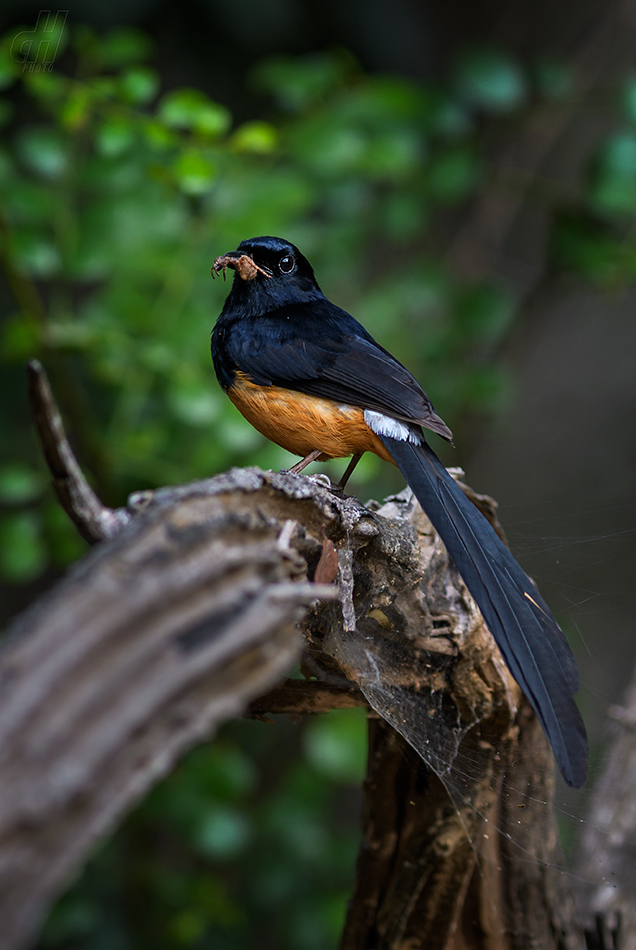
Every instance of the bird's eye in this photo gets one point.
(287, 264)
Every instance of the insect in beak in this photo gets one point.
(241, 263)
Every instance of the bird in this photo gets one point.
(312, 379)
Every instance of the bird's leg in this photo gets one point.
(349, 471)
(299, 466)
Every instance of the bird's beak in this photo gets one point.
(241, 263)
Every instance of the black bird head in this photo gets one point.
(269, 273)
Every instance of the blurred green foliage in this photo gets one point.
(595, 239)
(116, 196)
(252, 842)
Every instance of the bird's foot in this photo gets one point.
(320, 478)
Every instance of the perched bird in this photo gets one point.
(308, 376)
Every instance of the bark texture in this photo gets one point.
(187, 614)
(190, 614)
(606, 860)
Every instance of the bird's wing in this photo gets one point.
(338, 361)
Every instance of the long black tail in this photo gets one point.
(530, 640)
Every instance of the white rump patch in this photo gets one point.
(385, 425)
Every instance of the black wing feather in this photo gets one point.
(531, 642)
(325, 352)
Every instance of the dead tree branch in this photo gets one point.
(189, 616)
(606, 859)
(93, 520)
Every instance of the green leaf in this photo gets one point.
(22, 552)
(124, 46)
(388, 102)
(628, 98)
(76, 107)
(191, 109)
(35, 254)
(139, 85)
(69, 334)
(74, 917)
(452, 174)
(50, 87)
(195, 403)
(491, 81)
(584, 245)
(212, 120)
(44, 150)
(102, 88)
(393, 155)
(188, 927)
(485, 312)
(450, 119)
(223, 833)
(486, 388)
(159, 137)
(403, 217)
(64, 541)
(329, 148)
(615, 194)
(194, 172)
(114, 135)
(336, 745)
(554, 79)
(613, 187)
(260, 138)
(619, 154)
(299, 83)
(28, 202)
(19, 339)
(19, 484)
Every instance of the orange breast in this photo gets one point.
(301, 423)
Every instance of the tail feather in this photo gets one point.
(529, 638)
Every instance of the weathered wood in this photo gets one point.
(93, 520)
(188, 615)
(466, 857)
(605, 862)
(152, 641)
(302, 698)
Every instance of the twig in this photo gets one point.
(93, 520)
(300, 698)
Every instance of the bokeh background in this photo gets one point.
(463, 178)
